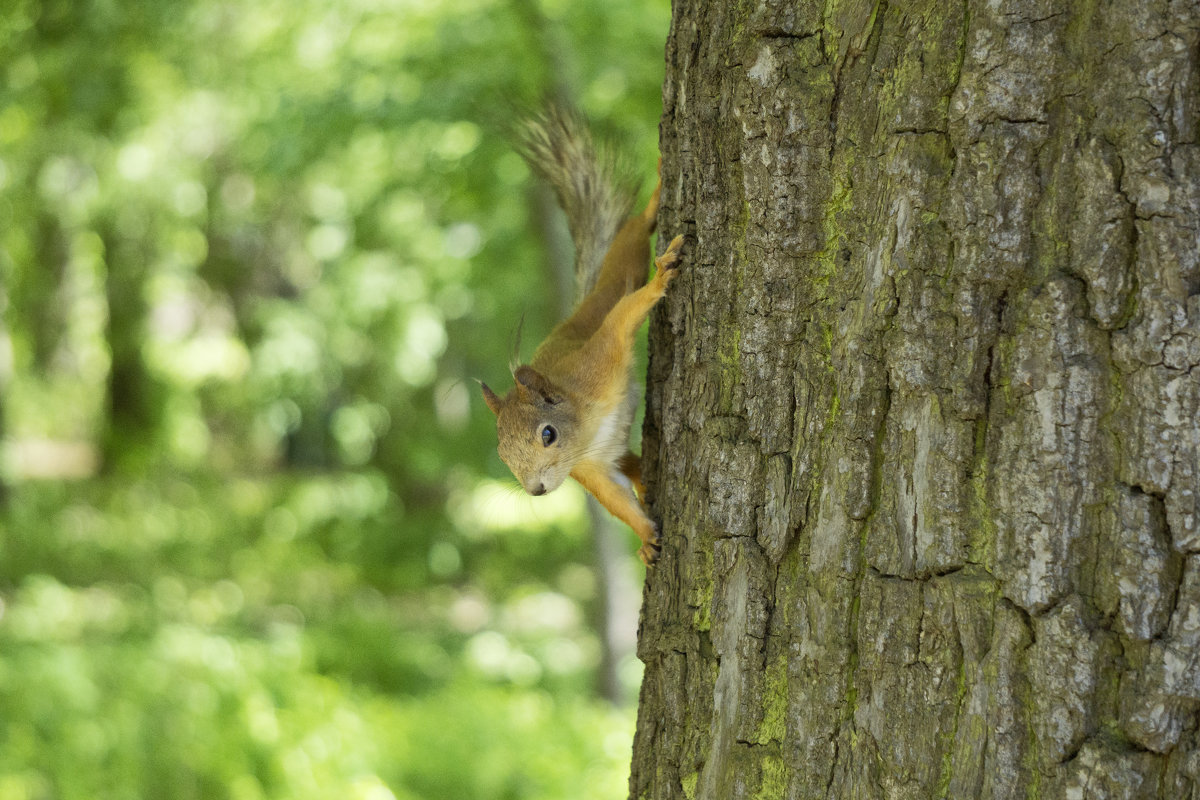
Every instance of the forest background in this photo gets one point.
(256, 541)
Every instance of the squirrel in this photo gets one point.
(572, 406)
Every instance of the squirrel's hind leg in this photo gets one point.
(608, 352)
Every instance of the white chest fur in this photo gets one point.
(612, 436)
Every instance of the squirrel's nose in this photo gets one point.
(540, 489)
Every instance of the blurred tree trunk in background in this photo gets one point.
(37, 293)
(922, 419)
(6, 375)
(135, 398)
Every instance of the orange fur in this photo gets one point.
(578, 385)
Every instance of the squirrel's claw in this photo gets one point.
(650, 551)
(664, 265)
(667, 260)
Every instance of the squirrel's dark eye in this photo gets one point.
(549, 435)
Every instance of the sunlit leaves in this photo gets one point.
(288, 235)
(225, 646)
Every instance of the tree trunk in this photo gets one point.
(135, 396)
(922, 410)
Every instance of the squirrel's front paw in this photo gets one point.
(650, 551)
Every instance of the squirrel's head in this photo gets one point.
(536, 423)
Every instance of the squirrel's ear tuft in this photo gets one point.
(489, 397)
(535, 382)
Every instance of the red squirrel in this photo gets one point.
(572, 406)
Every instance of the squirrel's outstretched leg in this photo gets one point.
(609, 350)
(614, 493)
(629, 313)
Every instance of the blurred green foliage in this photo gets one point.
(256, 540)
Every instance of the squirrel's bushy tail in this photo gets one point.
(557, 146)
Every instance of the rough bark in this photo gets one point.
(922, 411)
